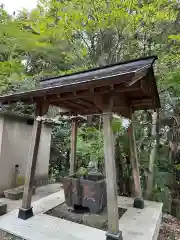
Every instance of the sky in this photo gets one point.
(14, 5)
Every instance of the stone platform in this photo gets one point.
(135, 224)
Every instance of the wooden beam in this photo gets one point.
(124, 88)
(62, 94)
(73, 147)
(85, 112)
(91, 92)
(122, 108)
(138, 201)
(85, 103)
(72, 104)
(28, 188)
(142, 102)
(68, 107)
(98, 102)
(111, 183)
(119, 102)
(26, 211)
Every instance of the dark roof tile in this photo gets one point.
(99, 73)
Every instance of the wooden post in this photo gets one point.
(26, 211)
(138, 201)
(113, 217)
(73, 146)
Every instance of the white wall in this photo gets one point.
(16, 137)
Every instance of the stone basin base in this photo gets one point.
(16, 193)
(86, 193)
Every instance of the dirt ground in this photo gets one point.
(170, 228)
(7, 236)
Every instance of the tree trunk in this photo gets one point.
(119, 169)
(128, 179)
(67, 160)
(153, 154)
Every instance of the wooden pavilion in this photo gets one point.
(120, 88)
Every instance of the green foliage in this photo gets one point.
(90, 144)
(60, 144)
(82, 172)
(177, 166)
(117, 125)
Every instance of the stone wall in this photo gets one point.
(15, 137)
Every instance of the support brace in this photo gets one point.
(113, 217)
(25, 211)
(73, 147)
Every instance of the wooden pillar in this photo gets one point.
(111, 185)
(73, 147)
(25, 211)
(138, 201)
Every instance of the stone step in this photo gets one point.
(3, 208)
(15, 193)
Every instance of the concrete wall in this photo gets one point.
(1, 130)
(15, 137)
